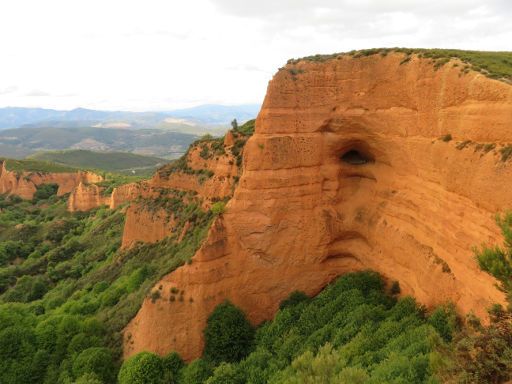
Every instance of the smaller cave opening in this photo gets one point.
(355, 157)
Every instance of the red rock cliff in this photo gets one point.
(346, 172)
(24, 184)
(86, 197)
(209, 170)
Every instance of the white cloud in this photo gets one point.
(37, 93)
(160, 54)
(8, 90)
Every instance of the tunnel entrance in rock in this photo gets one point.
(356, 157)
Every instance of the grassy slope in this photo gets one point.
(496, 65)
(121, 162)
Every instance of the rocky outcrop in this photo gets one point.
(347, 171)
(24, 184)
(126, 193)
(209, 171)
(86, 197)
(145, 225)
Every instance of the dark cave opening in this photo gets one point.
(355, 157)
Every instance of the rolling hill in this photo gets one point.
(21, 142)
(118, 162)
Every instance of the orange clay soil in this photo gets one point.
(402, 201)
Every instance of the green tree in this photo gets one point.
(294, 298)
(45, 191)
(143, 368)
(444, 320)
(17, 350)
(172, 363)
(97, 361)
(228, 335)
(196, 372)
(227, 373)
(89, 378)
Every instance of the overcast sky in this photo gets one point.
(165, 54)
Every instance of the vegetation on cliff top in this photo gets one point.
(211, 148)
(496, 65)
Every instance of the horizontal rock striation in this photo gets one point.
(208, 171)
(347, 171)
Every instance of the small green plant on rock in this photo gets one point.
(506, 153)
(218, 208)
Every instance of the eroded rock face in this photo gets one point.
(86, 197)
(25, 184)
(403, 202)
(209, 171)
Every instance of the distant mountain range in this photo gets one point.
(20, 142)
(192, 120)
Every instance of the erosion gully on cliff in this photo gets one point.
(386, 160)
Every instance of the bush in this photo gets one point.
(45, 191)
(247, 129)
(196, 372)
(226, 373)
(218, 208)
(143, 368)
(444, 321)
(228, 334)
(27, 288)
(17, 348)
(96, 361)
(497, 261)
(506, 152)
(294, 299)
(88, 378)
(173, 363)
(10, 250)
(484, 355)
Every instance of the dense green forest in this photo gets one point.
(67, 290)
